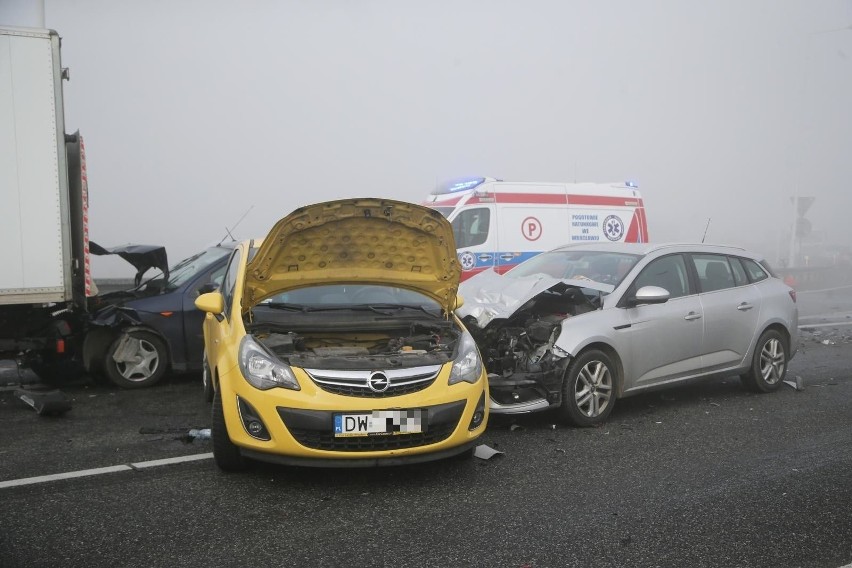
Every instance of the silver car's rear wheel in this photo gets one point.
(769, 364)
(588, 391)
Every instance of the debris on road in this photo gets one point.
(484, 452)
(45, 402)
(199, 434)
(796, 384)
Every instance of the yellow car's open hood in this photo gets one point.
(364, 241)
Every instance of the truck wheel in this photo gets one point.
(769, 365)
(588, 390)
(136, 359)
(57, 372)
(225, 452)
(207, 380)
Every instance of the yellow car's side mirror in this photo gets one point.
(211, 302)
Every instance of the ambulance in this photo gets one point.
(499, 224)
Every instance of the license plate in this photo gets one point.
(379, 422)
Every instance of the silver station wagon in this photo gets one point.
(583, 325)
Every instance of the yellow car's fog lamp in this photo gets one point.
(467, 366)
(262, 369)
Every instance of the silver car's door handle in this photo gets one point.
(744, 306)
(691, 316)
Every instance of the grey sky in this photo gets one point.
(194, 111)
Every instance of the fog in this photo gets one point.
(195, 111)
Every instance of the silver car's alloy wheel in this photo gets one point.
(768, 364)
(773, 360)
(594, 389)
(589, 388)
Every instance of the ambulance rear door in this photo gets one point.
(533, 218)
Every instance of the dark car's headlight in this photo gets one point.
(468, 366)
(262, 369)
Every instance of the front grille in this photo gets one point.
(356, 383)
(315, 429)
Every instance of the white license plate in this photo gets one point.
(379, 422)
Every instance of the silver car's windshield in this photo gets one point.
(603, 267)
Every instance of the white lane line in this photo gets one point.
(102, 470)
(824, 290)
(809, 325)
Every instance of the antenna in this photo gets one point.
(705, 229)
(234, 226)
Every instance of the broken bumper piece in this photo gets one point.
(522, 394)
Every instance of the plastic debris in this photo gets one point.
(827, 342)
(200, 434)
(483, 452)
(796, 384)
(715, 404)
(514, 427)
(45, 403)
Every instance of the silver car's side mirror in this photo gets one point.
(649, 295)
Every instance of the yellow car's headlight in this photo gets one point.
(467, 366)
(262, 369)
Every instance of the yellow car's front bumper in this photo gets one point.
(298, 426)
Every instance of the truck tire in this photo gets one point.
(57, 372)
(136, 359)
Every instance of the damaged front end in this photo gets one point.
(516, 323)
(341, 353)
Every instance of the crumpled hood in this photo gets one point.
(488, 295)
(358, 241)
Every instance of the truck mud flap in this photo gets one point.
(45, 402)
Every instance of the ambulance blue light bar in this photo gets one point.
(632, 184)
(456, 185)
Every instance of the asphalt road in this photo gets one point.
(703, 475)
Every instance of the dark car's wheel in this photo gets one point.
(588, 391)
(769, 364)
(225, 452)
(136, 359)
(207, 380)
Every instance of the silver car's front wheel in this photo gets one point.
(769, 364)
(588, 391)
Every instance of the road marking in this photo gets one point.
(102, 470)
(810, 325)
(823, 290)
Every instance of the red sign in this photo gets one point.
(531, 229)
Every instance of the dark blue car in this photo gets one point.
(134, 337)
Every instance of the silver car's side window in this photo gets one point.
(668, 272)
(755, 272)
(740, 278)
(714, 272)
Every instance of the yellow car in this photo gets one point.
(334, 343)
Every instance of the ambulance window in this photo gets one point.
(445, 211)
(470, 228)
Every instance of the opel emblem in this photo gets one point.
(378, 382)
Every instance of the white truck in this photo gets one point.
(499, 224)
(44, 266)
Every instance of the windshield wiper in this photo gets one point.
(287, 307)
